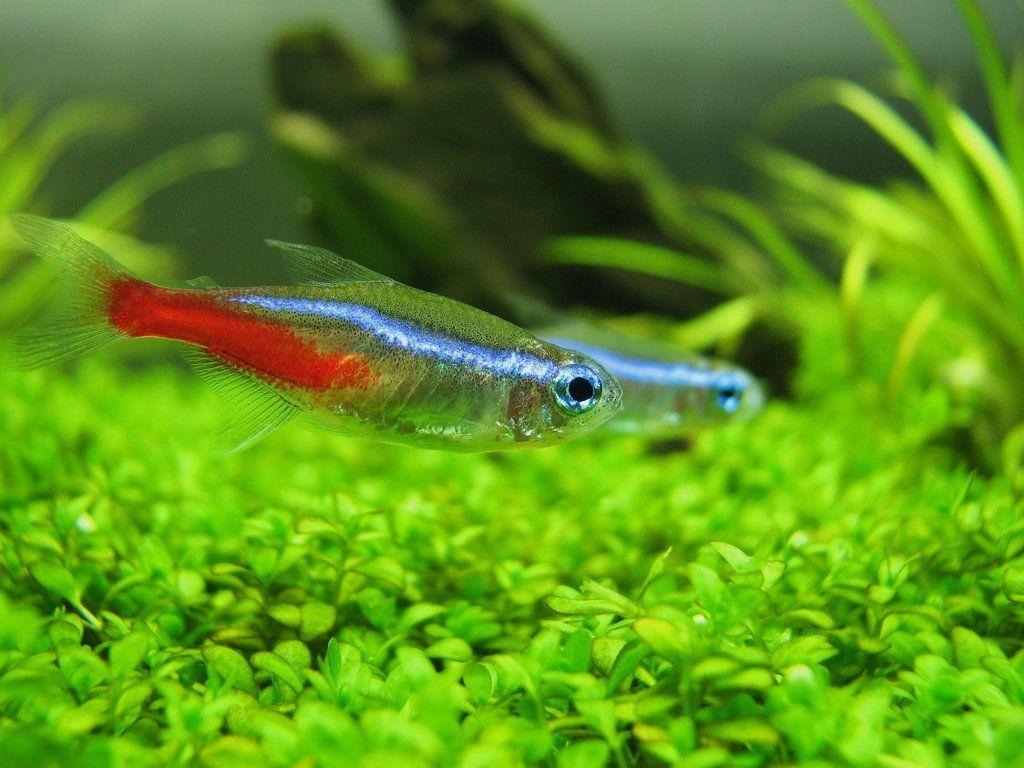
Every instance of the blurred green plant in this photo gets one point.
(958, 233)
(31, 144)
(954, 240)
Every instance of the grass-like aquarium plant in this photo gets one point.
(950, 241)
(31, 144)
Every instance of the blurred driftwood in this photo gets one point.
(452, 173)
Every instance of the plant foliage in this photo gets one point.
(952, 240)
(31, 145)
(825, 585)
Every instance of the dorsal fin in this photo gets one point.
(253, 408)
(202, 282)
(318, 265)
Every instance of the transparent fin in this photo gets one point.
(253, 408)
(202, 282)
(314, 421)
(74, 321)
(578, 333)
(316, 265)
(530, 310)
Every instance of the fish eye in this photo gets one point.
(576, 388)
(580, 389)
(729, 395)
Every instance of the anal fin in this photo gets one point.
(253, 408)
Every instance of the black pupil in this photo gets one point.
(580, 389)
(728, 393)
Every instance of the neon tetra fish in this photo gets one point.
(354, 350)
(664, 391)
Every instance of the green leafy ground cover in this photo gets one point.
(829, 584)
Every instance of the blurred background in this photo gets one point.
(684, 79)
(701, 172)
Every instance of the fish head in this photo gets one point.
(733, 394)
(575, 396)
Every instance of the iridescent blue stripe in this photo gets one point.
(651, 371)
(416, 341)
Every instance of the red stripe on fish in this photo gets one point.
(263, 347)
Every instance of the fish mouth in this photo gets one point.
(753, 397)
(614, 393)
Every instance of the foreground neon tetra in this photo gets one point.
(352, 349)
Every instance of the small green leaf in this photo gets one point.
(295, 653)
(55, 578)
(809, 650)
(66, 632)
(583, 754)
(285, 613)
(417, 666)
(880, 593)
(316, 619)
(415, 615)
(230, 666)
(480, 680)
(968, 648)
(604, 650)
(669, 641)
(683, 734)
(771, 572)
(133, 698)
(450, 649)
(278, 668)
(1013, 584)
(626, 662)
(263, 562)
(230, 752)
(714, 666)
(581, 606)
(818, 619)
(599, 715)
(576, 651)
(190, 584)
(657, 568)
(384, 569)
(126, 654)
(747, 731)
(707, 583)
(737, 559)
(79, 721)
(626, 607)
(752, 679)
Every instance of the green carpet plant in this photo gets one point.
(826, 585)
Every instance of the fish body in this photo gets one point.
(665, 391)
(348, 348)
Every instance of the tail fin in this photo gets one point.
(75, 320)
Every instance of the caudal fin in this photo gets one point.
(75, 319)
